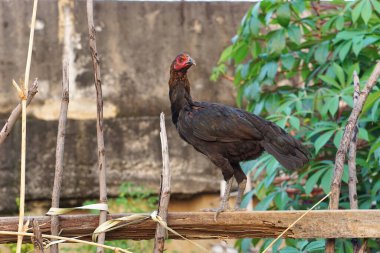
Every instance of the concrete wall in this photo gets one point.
(136, 42)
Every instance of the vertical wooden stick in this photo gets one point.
(59, 153)
(159, 241)
(343, 147)
(37, 238)
(23, 130)
(99, 122)
(352, 181)
(352, 153)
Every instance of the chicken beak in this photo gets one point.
(191, 61)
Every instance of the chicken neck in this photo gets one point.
(179, 93)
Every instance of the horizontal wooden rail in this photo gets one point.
(201, 225)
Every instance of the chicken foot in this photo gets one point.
(224, 205)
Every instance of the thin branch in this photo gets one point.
(352, 181)
(99, 121)
(59, 153)
(159, 242)
(352, 153)
(37, 238)
(15, 114)
(23, 129)
(363, 248)
(344, 144)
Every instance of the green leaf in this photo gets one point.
(344, 50)
(363, 134)
(329, 80)
(339, 73)
(339, 23)
(265, 203)
(247, 198)
(319, 129)
(326, 27)
(240, 53)
(226, 54)
(294, 33)
(366, 11)
(376, 6)
(283, 15)
(321, 141)
(326, 180)
(333, 105)
(374, 147)
(277, 41)
(372, 98)
(254, 25)
(268, 17)
(289, 250)
(255, 50)
(369, 40)
(287, 61)
(348, 35)
(312, 181)
(320, 55)
(316, 245)
(294, 122)
(375, 189)
(338, 137)
(357, 10)
(272, 69)
(357, 44)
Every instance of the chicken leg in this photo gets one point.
(224, 205)
(241, 189)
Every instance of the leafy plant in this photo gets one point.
(293, 63)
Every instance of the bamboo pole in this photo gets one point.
(60, 153)
(344, 144)
(159, 241)
(23, 130)
(99, 122)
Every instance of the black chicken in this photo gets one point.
(227, 135)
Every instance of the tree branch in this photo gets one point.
(344, 144)
(99, 121)
(159, 241)
(37, 238)
(15, 114)
(352, 152)
(59, 154)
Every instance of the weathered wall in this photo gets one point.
(136, 43)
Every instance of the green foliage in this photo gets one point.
(131, 199)
(295, 67)
(24, 247)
